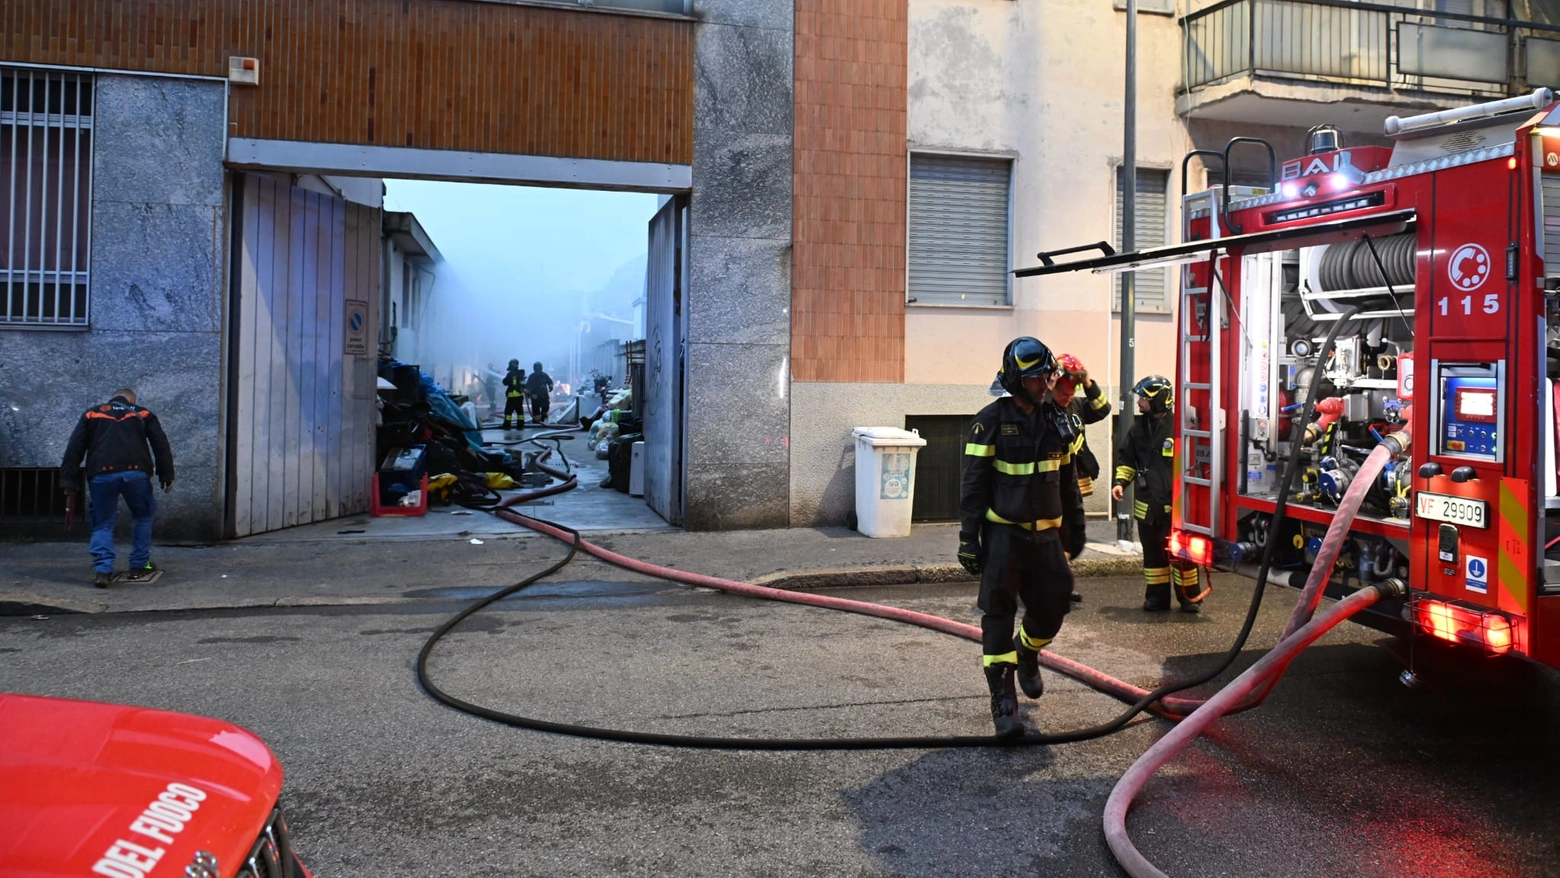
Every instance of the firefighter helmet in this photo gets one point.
(1025, 357)
(1070, 380)
(1158, 391)
(514, 364)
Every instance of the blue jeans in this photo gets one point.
(105, 490)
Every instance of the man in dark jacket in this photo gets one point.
(539, 386)
(514, 396)
(1021, 518)
(1146, 460)
(122, 443)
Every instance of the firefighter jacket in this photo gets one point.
(1146, 459)
(1091, 407)
(116, 436)
(539, 384)
(514, 384)
(1018, 469)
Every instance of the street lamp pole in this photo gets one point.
(1128, 278)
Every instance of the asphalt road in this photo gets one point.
(1343, 772)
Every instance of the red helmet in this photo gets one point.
(1067, 383)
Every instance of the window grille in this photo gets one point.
(45, 196)
(31, 492)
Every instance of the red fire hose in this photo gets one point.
(1243, 692)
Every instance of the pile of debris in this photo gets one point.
(426, 435)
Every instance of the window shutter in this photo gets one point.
(1152, 229)
(1551, 197)
(1161, 7)
(958, 235)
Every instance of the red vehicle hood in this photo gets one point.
(91, 789)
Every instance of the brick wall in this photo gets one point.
(848, 261)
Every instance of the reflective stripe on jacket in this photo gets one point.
(1146, 458)
(1018, 469)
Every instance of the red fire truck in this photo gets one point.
(1434, 265)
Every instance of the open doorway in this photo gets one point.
(466, 285)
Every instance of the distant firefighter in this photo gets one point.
(514, 396)
(539, 386)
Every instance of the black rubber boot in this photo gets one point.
(1004, 702)
(1028, 674)
(1156, 599)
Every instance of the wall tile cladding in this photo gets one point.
(431, 74)
(848, 266)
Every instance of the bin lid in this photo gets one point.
(888, 436)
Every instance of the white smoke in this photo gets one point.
(527, 273)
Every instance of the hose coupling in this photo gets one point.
(1392, 587)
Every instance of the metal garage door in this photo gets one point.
(302, 382)
(665, 318)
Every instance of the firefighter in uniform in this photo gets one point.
(1146, 459)
(1091, 408)
(514, 396)
(539, 387)
(1021, 518)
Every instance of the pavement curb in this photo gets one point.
(1095, 564)
(23, 604)
(1083, 568)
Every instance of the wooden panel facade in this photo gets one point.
(430, 74)
(848, 257)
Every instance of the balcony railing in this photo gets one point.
(1368, 44)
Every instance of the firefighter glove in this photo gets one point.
(1077, 535)
(969, 552)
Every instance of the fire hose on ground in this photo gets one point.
(1246, 691)
(1259, 680)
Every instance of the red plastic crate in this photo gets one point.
(381, 511)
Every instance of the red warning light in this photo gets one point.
(1452, 623)
(1198, 550)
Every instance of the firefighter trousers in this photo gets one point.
(1160, 571)
(1023, 566)
(514, 411)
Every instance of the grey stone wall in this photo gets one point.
(157, 297)
(739, 324)
(823, 453)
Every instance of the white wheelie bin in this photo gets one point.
(885, 479)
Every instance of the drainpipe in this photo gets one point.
(1128, 278)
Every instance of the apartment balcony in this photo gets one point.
(1275, 62)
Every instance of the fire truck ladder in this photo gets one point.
(1211, 434)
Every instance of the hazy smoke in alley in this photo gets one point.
(528, 274)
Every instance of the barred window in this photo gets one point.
(45, 192)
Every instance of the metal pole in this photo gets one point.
(1128, 278)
